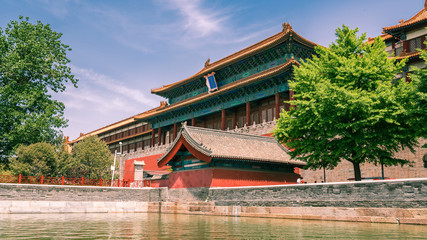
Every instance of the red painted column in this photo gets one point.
(193, 122)
(175, 128)
(277, 102)
(248, 113)
(223, 119)
(405, 47)
(290, 98)
(152, 138)
(159, 136)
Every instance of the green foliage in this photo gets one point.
(35, 160)
(419, 78)
(33, 63)
(90, 158)
(348, 105)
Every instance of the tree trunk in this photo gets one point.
(357, 175)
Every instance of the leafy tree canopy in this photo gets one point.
(419, 78)
(35, 160)
(90, 158)
(349, 105)
(33, 63)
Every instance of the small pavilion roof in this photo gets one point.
(417, 18)
(272, 41)
(206, 144)
(384, 37)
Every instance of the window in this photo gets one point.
(230, 123)
(414, 44)
(254, 118)
(398, 48)
(270, 115)
(241, 121)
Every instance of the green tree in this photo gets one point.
(35, 160)
(33, 64)
(348, 105)
(419, 78)
(90, 158)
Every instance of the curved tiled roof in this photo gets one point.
(419, 17)
(274, 40)
(116, 125)
(230, 145)
(244, 81)
(409, 55)
(384, 37)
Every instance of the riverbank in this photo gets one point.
(391, 201)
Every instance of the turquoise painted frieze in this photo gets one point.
(230, 99)
(245, 68)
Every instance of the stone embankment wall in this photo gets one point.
(394, 201)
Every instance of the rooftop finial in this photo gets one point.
(163, 104)
(286, 26)
(207, 63)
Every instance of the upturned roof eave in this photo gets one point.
(240, 55)
(408, 23)
(186, 138)
(231, 86)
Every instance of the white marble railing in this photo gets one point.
(256, 129)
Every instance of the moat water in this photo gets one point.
(178, 226)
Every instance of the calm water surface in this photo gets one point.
(171, 226)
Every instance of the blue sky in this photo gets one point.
(122, 49)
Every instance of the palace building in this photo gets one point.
(210, 127)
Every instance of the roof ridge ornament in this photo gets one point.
(287, 26)
(163, 104)
(208, 63)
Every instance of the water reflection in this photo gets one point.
(174, 226)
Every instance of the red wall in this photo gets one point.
(228, 178)
(209, 177)
(191, 178)
(150, 164)
(159, 183)
(237, 178)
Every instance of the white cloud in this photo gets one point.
(202, 22)
(58, 8)
(99, 100)
(111, 89)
